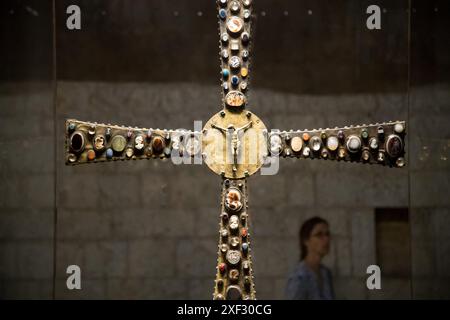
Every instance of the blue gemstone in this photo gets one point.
(225, 73)
(234, 80)
(109, 153)
(72, 126)
(222, 13)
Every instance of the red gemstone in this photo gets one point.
(222, 267)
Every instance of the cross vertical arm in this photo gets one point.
(234, 32)
(380, 143)
(234, 276)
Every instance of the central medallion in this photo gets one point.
(234, 144)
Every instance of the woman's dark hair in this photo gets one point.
(305, 233)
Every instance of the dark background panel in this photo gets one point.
(27, 171)
(26, 33)
(300, 46)
(430, 148)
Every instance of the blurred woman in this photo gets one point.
(310, 279)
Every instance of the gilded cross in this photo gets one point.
(235, 144)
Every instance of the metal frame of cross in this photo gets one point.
(235, 144)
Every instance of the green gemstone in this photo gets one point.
(118, 143)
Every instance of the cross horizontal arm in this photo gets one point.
(88, 142)
(380, 143)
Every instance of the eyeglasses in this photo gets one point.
(321, 234)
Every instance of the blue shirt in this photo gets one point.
(303, 284)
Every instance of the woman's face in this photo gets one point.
(319, 241)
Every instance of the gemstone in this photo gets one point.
(246, 266)
(149, 133)
(91, 155)
(353, 144)
(380, 131)
(296, 144)
(364, 134)
(234, 24)
(373, 143)
(332, 143)
(109, 153)
(224, 248)
(305, 136)
(224, 54)
(224, 233)
(139, 142)
(233, 257)
(394, 146)
(129, 134)
(244, 232)
(234, 222)
(324, 153)
(219, 297)
(225, 73)
(77, 142)
(399, 128)
(233, 293)
(366, 155)
(276, 144)
(192, 146)
(72, 158)
(323, 135)
(247, 14)
(235, 7)
(129, 152)
(108, 133)
(235, 62)
(223, 2)
(235, 99)
(247, 3)
(158, 145)
(341, 153)
(245, 246)
(400, 162)
(245, 37)
(315, 143)
(234, 80)
(234, 242)
(245, 54)
(222, 267)
(224, 216)
(243, 86)
(225, 86)
(222, 13)
(244, 72)
(341, 135)
(234, 45)
(381, 156)
(233, 199)
(91, 130)
(224, 37)
(72, 127)
(118, 143)
(233, 275)
(99, 143)
(306, 152)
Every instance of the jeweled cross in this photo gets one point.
(235, 144)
